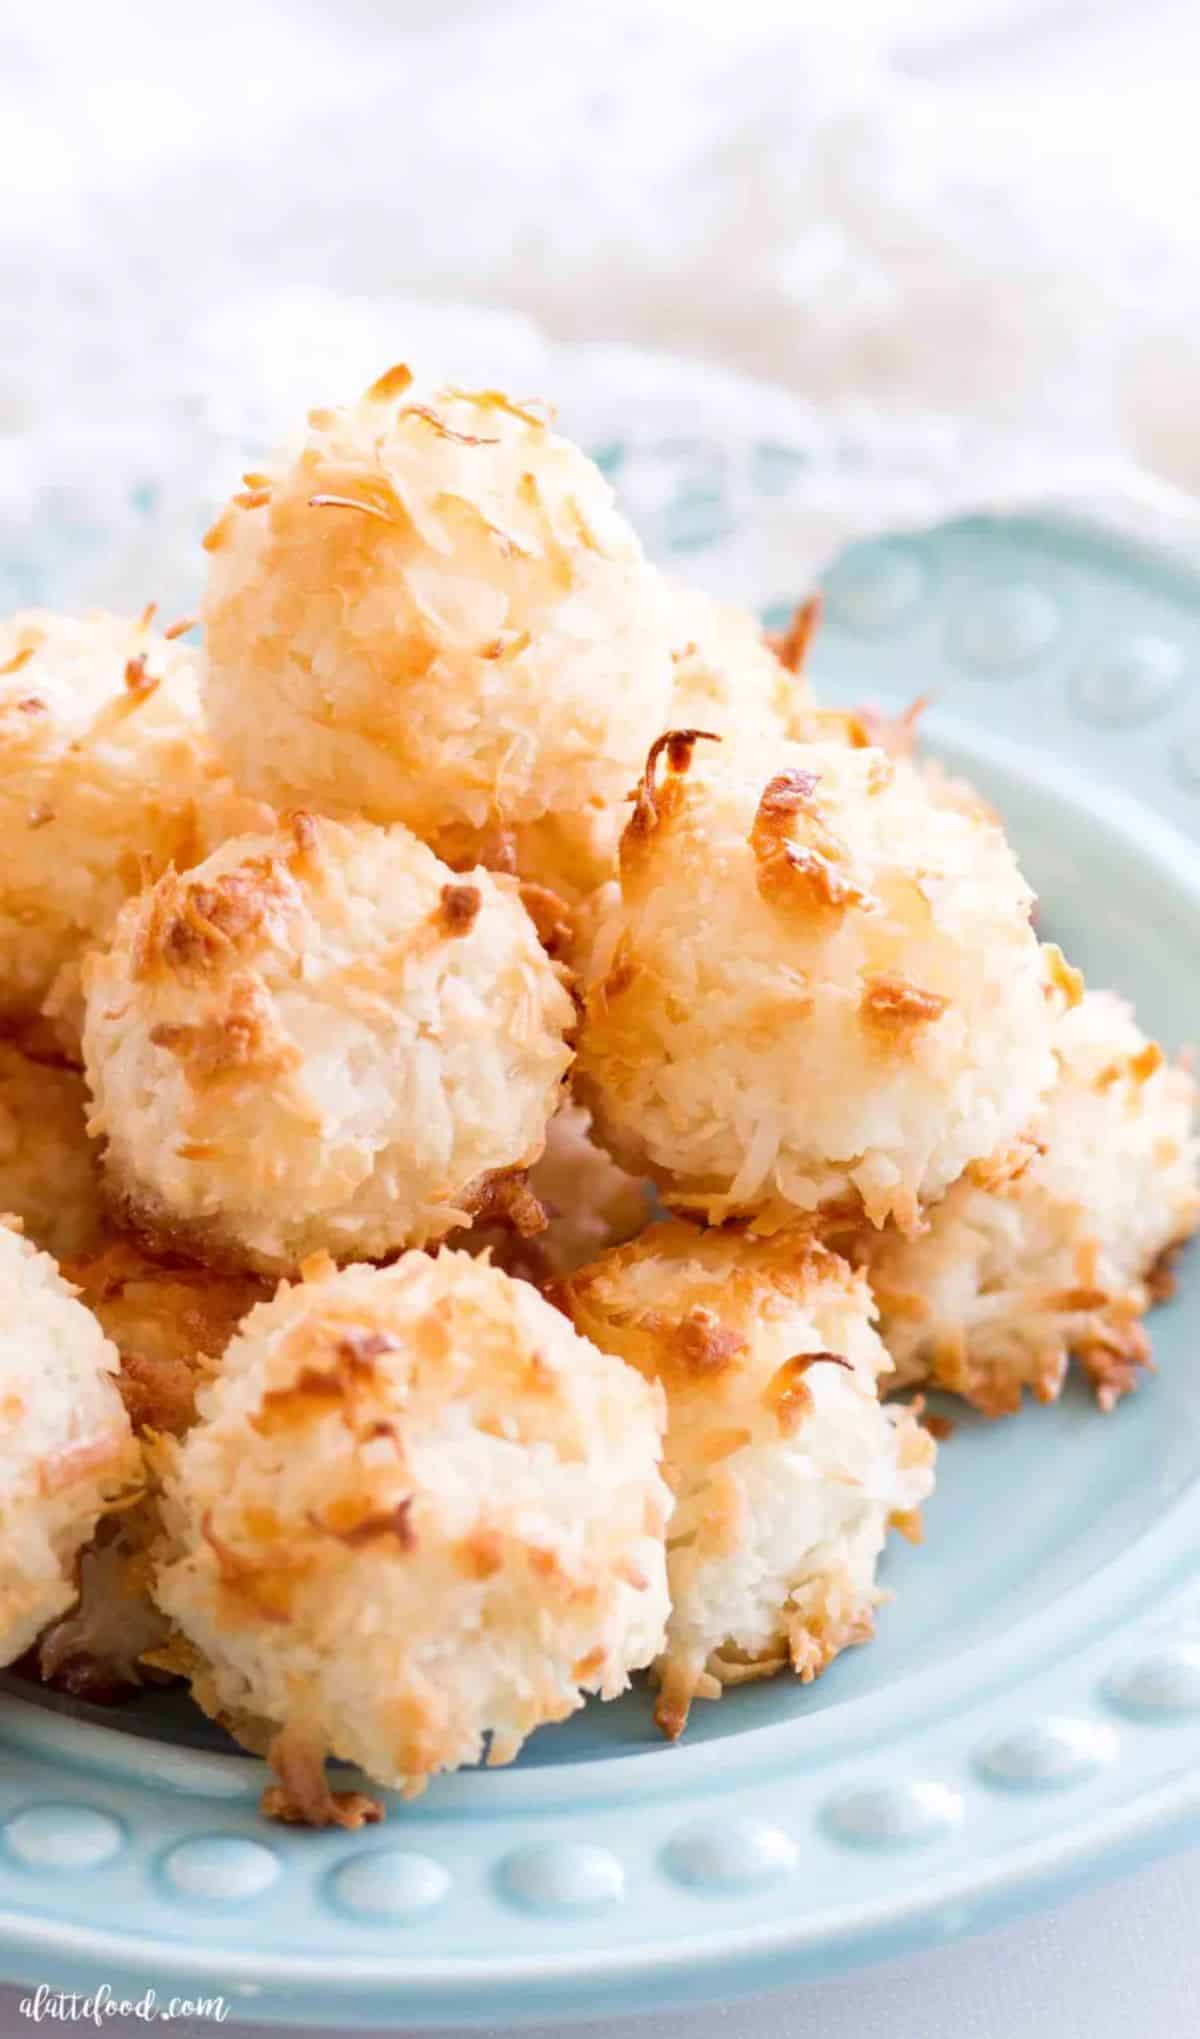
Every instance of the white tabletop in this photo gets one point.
(1119, 1962)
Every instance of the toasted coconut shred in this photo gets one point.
(418, 1514)
(1056, 1252)
(68, 1447)
(320, 1040)
(814, 983)
(785, 1468)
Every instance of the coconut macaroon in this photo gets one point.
(815, 985)
(170, 1323)
(589, 1202)
(68, 1448)
(105, 778)
(786, 1470)
(322, 1038)
(418, 1512)
(1056, 1250)
(729, 676)
(871, 727)
(734, 678)
(170, 1326)
(49, 1169)
(435, 614)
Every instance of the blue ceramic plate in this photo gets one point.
(1030, 1712)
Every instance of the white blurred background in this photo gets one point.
(957, 226)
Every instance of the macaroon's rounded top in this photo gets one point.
(815, 983)
(320, 1038)
(434, 613)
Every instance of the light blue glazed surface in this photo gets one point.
(1030, 1712)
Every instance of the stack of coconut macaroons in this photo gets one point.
(365, 976)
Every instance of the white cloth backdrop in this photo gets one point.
(967, 215)
(961, 244)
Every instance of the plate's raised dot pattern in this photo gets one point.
(875, 587)
(220, 1868)
(1128, 682)
(389, 1883)
(730, 1855)
(1163, 1682)
(1048, 1754)
(562, 1876)
(998, 630)
(57, 1837)
(895, 1815)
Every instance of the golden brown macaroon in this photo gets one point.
(1055, 1249)
(730, 677)
(814, 984)
(170, 1323)
(66, 1447)
(170, 1326)
(786, 1470)
(322, 1039)
(589, 1202)
(417, 1510)
(49, 1168)
(435, 614)
(106, 776)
